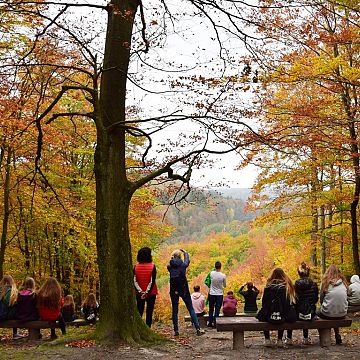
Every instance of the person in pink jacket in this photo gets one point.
(229, 304)
(198, 301)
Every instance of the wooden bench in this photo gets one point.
(35, 326)
(204, 319)
(238, 325)
(353, 310)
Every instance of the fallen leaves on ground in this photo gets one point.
(81, 344)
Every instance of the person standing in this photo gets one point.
(217, 285)
(179, 288)
(145, 283)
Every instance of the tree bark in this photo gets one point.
(6, 214)
(119, 318)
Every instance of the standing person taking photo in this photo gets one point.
(217, 285)
(179, 288)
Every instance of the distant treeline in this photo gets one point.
(207, 212)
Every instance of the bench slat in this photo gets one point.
(252, 324)
(39, 324)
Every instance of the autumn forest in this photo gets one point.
(89, 173)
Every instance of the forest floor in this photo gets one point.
(211, 345)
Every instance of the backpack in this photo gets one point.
(178, 283)
(304, 311)
(276, 313)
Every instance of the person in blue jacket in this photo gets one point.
(179, 288)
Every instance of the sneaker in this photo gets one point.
(267, 343)
(338, 339)
(288, 341)
(17, 337)
(280, 343)
(176, 333)
(306, 341)
(200, 332)
(209, 325)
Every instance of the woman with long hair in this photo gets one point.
(277, 303)
(333, 297)
(8, 299)
(49, 301)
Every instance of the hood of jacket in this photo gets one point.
(176, 262)
(196, 295)
(230, 297)
(355, 279)
(338, 282)
(304, 283)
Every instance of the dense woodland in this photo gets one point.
(81, 190)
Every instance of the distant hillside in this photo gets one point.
(234, 193)
(208, 212)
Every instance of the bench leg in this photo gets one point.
(34, 334)
(238, 340)
(325, 337)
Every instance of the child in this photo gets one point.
(333, 297)
(229, 304)
(26, 309)
(307, 295)
(198, 301)
(68, 309)
(49, 301)
(277, 300)
(8, 297)
(90, 308)
(250, 296)
(354, 291)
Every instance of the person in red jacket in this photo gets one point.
(49, 302)
(145, 283)
(229, 304)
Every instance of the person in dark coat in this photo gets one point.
(307, 295)
(26, 301)
(179, 288)
(250, 297)
(280, 290)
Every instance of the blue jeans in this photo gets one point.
(175, 309)
(215, 301)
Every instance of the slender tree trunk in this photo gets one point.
(322, 239)
(119, 318)
(315, 218)
(6, 214)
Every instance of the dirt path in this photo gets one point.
(212, 345)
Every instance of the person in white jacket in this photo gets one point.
(198, 301)
(354, 290)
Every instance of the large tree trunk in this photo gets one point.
(119, 318)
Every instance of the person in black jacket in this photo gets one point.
(277, 303)
(307, 295)
(250, 296)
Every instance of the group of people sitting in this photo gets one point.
(27, 304)
(282, 301)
